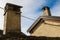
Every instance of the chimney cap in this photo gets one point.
(45, 7)
(13, 5)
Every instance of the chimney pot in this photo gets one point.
(46, 11)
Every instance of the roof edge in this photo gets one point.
(32, 26)
(42, 17)
(13, 5)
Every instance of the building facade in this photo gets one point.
(46, 25)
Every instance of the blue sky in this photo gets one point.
(31, 9)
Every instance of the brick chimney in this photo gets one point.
(46, 11)
(12, 18)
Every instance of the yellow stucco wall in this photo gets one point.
(47, 29)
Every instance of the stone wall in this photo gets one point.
(48, 28)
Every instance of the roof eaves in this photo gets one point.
(42, 17)
(51, 17)
(33, 25)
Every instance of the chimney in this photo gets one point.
(46, 11)
(12, 18)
